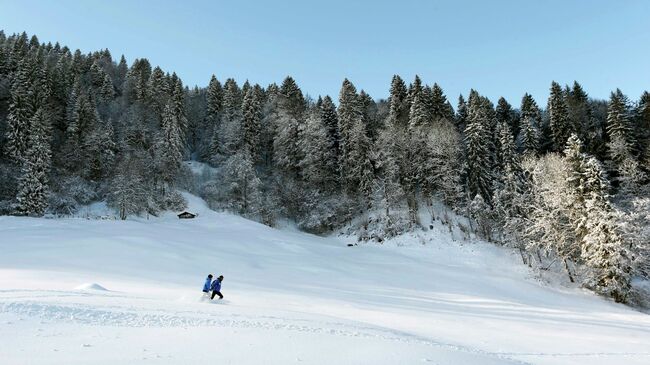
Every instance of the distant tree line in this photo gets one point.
(566, 185)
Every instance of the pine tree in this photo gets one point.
(100, 151)
(529, 137)
(286, 145)
(329, 120)
(643, 122)
(388, 187)
(158, 91)
(440, 108)
(214, 100)
(415, 88)
(33, 185)
(558, 118)
(231, 101)
(581, 117)
(477, 138)
(507, 159)
(530, 109)
(106, 91)
(251, 110)
(20, 113)
(621, 159)
(419, 115)
(121, 71)
(369, 116)
(170, 146)
(359, 177)
(461, 114)
(506, 115)
(349, 114)
(399, 109)
(292, 99)
(618, 125)
(316, 155)
(137, 78)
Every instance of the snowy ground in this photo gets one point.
(290, 298)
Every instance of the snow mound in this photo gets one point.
(91, 286)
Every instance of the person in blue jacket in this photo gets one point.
(216, 287)
(208, 284)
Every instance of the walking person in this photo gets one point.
(208, 284)
(216, 287)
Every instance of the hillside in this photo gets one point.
(79, 291)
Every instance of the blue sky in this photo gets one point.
(499, 47)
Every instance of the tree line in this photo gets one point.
(567, 185)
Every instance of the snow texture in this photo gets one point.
(290, 297)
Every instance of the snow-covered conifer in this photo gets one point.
(558, 117)
(34, 184)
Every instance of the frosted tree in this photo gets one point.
(349, 114)
(510, 191)
(215, 104)
(241, 185)
(622, 143)
(20, 113)
(482, 214)
(399, 109)
(419, 115)
(440, 107)
(560, 125)
(214, 99)
(389, 194)
(444, 163)
(106, 91)
(100, 152)
(360, 176)
(286, 149)
(529, 137)
(415, 88)
(461, 114)
(548, 228)
(477, 142)
(158, 91)
(603, 249)
(529, 108)
(329, 120)
(584, 121)
(232, 101)
(82, 120)
(33, 184)
(137, 79)
(169, 147)
(506, 115)
(251, 119)
(642, 128)
(127, 190)
(618, 120)
(292, 99)
(315, 154)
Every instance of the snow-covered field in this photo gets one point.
(77, 291)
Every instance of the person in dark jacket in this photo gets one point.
(208, 284)
(216, 287)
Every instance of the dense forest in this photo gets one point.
(567, 185)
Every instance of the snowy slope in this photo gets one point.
(77, 291)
